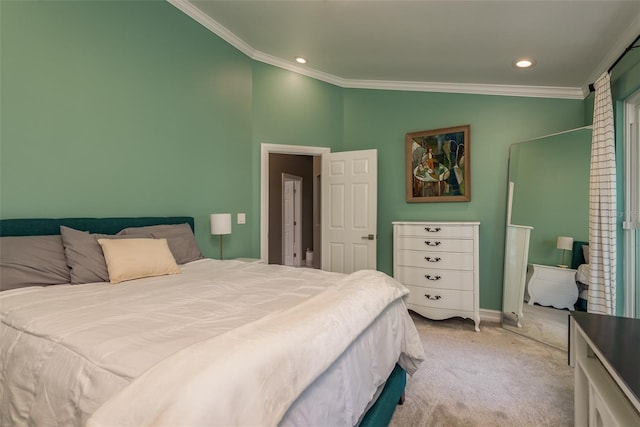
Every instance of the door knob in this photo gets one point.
(368, 237)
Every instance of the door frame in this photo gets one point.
(265, 150)
(631, 222)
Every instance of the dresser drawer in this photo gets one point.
(441, 298)
(557, 274)
(435, 260)
(434, 278)
(432, 244)
(434, 230)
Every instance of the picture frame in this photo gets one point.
(438, 165)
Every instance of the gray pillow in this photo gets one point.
(32, 260)
(84, 254)
(182, 242)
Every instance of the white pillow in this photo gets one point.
(129, 259)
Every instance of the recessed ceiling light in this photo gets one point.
(301, 60)
(524, 63)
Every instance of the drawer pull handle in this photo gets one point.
(436, 259)
(432, 230)
(433, 298)
(430, 243)
(430, 277)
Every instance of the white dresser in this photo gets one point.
(555, 286)
(438, 262)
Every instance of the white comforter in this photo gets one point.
(224, 343)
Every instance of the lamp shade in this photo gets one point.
(565, 243)
(220, 223)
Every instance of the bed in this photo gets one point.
(580, 263)
(209, 343)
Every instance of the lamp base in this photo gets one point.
(562, 266)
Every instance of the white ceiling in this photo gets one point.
(450, 46)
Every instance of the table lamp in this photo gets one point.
(220, 225)
(564, 243)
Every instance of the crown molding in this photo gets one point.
(470, 88)
(214, 26)
(478, 89)
(293, 66)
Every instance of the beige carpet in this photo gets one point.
(488, 378)
(546, 324)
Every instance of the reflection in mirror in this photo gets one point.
(548, 198)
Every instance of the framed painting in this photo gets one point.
(438, 165)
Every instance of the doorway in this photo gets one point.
(353, 182)
(271, 201)
(291, 220)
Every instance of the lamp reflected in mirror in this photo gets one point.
(565, 244)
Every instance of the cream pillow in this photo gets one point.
(129, 259)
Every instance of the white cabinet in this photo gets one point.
(552, 286)
(603, 351)
(438, 262)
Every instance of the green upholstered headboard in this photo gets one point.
(49, 226)
(577, 257)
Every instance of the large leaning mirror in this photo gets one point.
(547, 211)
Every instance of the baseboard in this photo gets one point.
(487, 315)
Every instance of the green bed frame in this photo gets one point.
(380, 412)
(50, 226)
(392, 394)
(577, 258)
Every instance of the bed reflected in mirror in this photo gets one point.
(548, 198)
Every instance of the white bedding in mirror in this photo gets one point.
(582, 276)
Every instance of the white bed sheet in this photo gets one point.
(92, 340)
(582, 276)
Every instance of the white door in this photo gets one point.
(291, 220)
(349, 210)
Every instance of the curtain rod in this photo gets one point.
(629, 48)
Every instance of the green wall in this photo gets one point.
(551, 191)
(380, 119)
(291, 109)
(132, 108)
(625, 81)
(123, 109)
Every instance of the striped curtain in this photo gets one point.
(602, 204)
